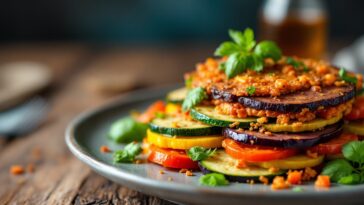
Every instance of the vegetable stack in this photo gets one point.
(252, 113)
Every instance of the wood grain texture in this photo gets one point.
(58, 177)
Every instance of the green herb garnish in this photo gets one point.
(128, 154)
(188, 82)
(250, 90)
(160, 115)
(127, 130)
(194, 97)
(344, 76)
(297, 64)
(297, 189)
(213, 179)
(200, 153)
(349, 170)
(243, 53)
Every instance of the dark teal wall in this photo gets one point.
(148, 21)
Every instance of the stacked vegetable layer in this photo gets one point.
(269, 113)
(170, 134)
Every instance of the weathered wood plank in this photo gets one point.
(66, 190)
(111, 193)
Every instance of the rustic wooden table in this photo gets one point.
(79, 72)
(58, 177)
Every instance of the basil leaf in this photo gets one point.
(133, 148)
(350, 179)
(128, 154)
(293, 62)
(244, 40)
(194, 97)
(354, 151)
(226, 48)
(200, 153)
(257, 63)
(222, 66)
(268, 49)
(250, 90)
(337, 169)
(344, 76)
(235, 65)
(237, 36)
(241, 56)
(213, 179)
(121, 156)
(297, 64)
(127, 130)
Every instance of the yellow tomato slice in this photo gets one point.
(295, 162)
(182, 142)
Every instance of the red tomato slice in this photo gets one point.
(171, 158)
(253, 153)
(333, 146)
(149, 114)
(358, 109)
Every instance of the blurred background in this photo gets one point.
(104, 48)
(141, 22)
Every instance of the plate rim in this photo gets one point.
(101, 167)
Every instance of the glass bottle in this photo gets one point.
(298, 26)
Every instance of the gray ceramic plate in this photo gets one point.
(87, 133)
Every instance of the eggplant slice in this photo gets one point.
(295, 102)
(285, 140)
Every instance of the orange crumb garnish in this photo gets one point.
(16, 170)
(311, 154)
(161, 172)
(308, 174)
(262, 120)
(294, 177)
(183, 170)
(264, 180)
(234, 124)
(189, 173)
(175, 125)
(322, 181)
(105, 149)
(273, 169)
(279, 183)
(241, 164)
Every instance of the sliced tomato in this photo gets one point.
(171, 158)
(357, 111)
(253, 153)
(334, 146)
(149, 114)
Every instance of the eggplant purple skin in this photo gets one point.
(240, 179)
(285, 140)
(294, 102)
